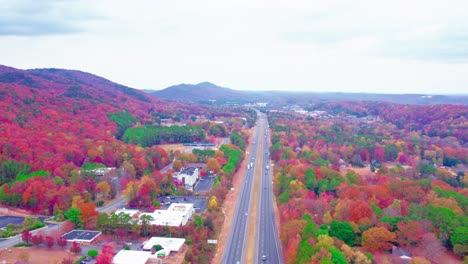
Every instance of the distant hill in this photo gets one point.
(202, 92)
(210, 93)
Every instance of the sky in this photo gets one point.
(336, 46)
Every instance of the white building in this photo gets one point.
(176, 215)
(134, 257)
(169, 244)
(188, 177)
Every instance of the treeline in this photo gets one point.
(9, 169)
(234, 158)
(239, 138)
(151, 135)
(124, 121)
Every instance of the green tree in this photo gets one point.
(426, 168)
(92, 253)
(73, 215)
(305, 252)
(343, 231)
(10, 169)
(237, 139)
(310, 179)
(459, 236)
(337, 256)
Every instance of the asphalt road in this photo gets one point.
(17, 239)
(237, 239)
(268, 248)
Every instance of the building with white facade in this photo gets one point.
(134, 257)
(176, 215)
(188, 177)
(169, 244)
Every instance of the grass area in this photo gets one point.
(79, 260)
(22, 245)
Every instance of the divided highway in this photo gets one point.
(237, 240)
(267, 246)
(268, 243)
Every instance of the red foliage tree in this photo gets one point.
(37, 239)
(26, 236)
(49, 241)
(75, 248)
(409, 234)
(61, 242)
(106, 255)
(359, 210)
(378, 238)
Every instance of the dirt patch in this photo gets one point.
(174, 147)
(5, 210)
(360, 171)
(36, 255)
(229, 205)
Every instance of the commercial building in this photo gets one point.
(177, 214)
(168, 244)
(134, 257)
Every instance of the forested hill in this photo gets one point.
(51, 117)
(209, 93)
(201, 92)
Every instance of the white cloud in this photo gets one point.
(397, 46)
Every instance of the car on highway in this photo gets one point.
(264, 257)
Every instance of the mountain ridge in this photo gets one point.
(206, 91)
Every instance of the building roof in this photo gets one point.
(132, 256)
(173, 216)
(81, 235)
(188, 171)
(130, 212)
(168, 243)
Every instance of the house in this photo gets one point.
(168, 244)
(188, 177)
(403, 255)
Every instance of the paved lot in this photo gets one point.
(81, 235)
(199, 202)
(204, 184)
(14, 220)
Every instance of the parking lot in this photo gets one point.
(204, 184)
(199, 202)
(14, 220)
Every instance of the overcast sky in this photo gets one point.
(349, 46)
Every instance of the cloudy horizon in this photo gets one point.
(334, 46)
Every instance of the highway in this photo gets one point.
(268, 249)
(237, 239)
(267, 245)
